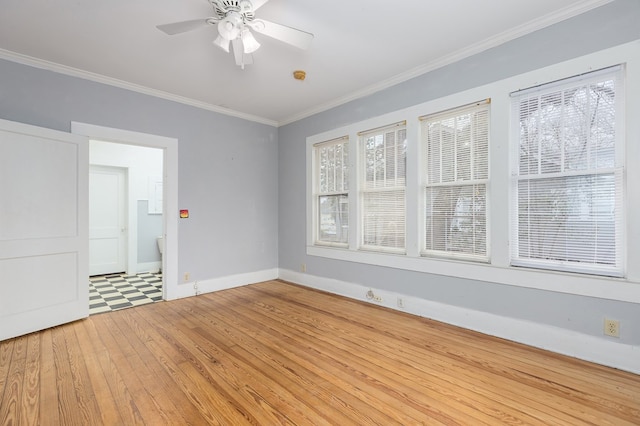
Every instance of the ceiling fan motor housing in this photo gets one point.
(235, 20)
(243, 7)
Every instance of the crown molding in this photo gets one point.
(498, 39)
(99, 78)
(468, 51)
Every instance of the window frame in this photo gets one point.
(485, 182)
(566, 174)
(344, 141)
(363, 190)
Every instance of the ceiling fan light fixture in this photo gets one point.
(222, 43)
(249, 42)
(230, 26)
(235, 22)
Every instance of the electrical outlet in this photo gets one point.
(303, 267)
(372, 296)
(400, 302)
(187, 276)
(611, 327)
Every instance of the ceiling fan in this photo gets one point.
(235, 19)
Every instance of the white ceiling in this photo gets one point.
(359, 46)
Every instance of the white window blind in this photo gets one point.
(383, 156)
(456, 172)
(568, 183)
(332, 186)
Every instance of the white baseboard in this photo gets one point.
(148, 267)
(193, 288)
(555, 339)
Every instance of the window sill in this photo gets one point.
(560, 282)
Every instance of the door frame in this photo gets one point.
(170, 191)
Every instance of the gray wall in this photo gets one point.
(607, 26)
(227, 166)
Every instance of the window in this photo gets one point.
(528, 189)
(331, 189)
(383, 159)
(456, 172)
(567, 188)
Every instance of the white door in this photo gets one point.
(43, 228)
(107, 220)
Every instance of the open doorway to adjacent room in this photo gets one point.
(126, 226)
(146, 165)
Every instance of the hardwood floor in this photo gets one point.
(277, 353)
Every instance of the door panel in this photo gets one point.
(107, 220)
(42, 194)
(43, 228)
(58, 271)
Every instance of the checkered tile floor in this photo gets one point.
(118, 291)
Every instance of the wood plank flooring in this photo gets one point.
(275, 353)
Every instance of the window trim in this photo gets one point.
(617, 270)
(317, 194)
(453, 112)
(499, 271)
(362, 190)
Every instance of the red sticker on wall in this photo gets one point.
(184, 214)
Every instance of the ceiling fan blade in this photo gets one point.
(289, 35)
(184, 26)
(258, 4)
(241, 58)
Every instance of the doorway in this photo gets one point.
(166, 196)
(125, 225)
